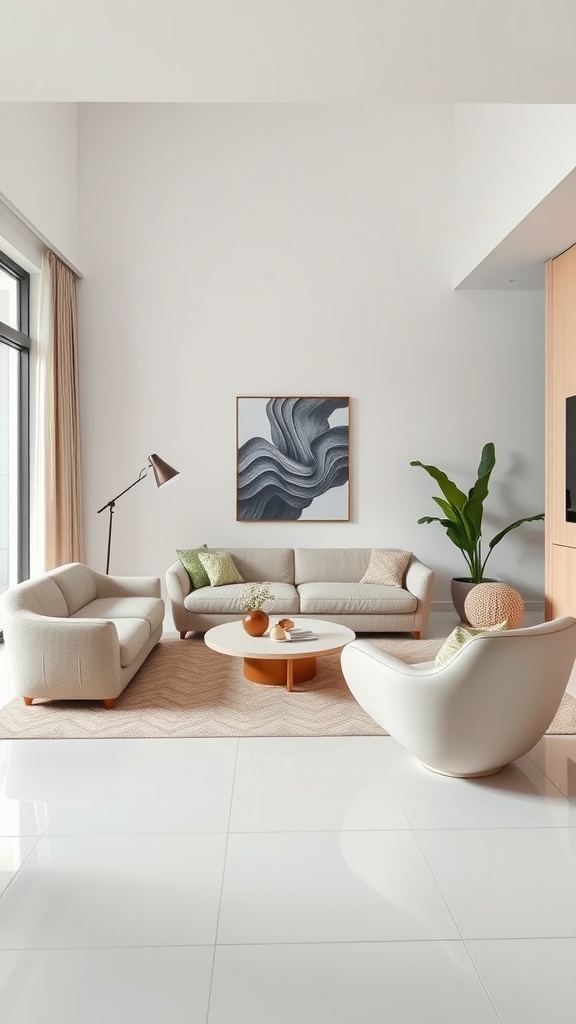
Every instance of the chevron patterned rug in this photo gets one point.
(185, 689)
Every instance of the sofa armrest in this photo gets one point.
(126, 586)
(57, 656)
(420, 583)
(419, 580)
(178, 583)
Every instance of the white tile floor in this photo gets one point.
(324, 881)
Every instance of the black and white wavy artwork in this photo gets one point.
(291, 453)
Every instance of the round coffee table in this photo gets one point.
(279, 663)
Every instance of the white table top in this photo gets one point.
(231, 638)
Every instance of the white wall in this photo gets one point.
(283, 250)
(507, 158)
(38, 169)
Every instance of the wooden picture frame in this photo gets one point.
(292, 459)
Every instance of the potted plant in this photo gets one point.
(463, 522)
(252, 598)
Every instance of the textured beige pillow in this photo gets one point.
(459, 637)
(387, 567)
(220, 567)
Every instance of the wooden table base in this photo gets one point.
(279, 671)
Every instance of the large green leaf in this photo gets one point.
(449, 489)
(487, 460)
(434, 519)
(479, 492)
(529, 519)
(469, 534)
(448, 509)
(473, 511)
(459, 538)
(456, 530)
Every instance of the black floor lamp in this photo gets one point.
(162, 472)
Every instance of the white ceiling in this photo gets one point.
(310, 51)
(288, 50)
(518, 261)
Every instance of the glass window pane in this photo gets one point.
(9, 521)
(14, 425)
(9, 312)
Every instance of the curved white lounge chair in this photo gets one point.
(488, 706)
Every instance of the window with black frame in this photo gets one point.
(14, 424)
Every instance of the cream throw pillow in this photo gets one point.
(461, 636)
(387, 567)
(220, 568)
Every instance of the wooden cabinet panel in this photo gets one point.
(560, 536)
(560, 383)
(561, 599)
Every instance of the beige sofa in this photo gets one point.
(76, 634)
(322, 583)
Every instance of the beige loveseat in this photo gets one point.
(76, 634)
(322, 583)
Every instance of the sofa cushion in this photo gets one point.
(333, 565)
(193, 565)
(132, 635)
(149, 609)
(260, 564)
(387, 567)
(354, 599)
(220, 568)
(77, 583)
(227, 600)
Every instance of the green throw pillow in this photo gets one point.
(220, 568)
(459, 637)
(193, 565)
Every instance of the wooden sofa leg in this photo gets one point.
(183, 634)
(109, 702)
(416, 634)
(28, 701)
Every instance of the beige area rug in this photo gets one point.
(186, 689)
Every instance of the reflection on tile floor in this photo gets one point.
(273, 880)
(282, 879)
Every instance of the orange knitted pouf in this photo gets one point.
(490, 603)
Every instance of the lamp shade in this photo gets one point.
(162, 471)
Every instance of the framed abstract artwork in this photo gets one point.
(293, 459)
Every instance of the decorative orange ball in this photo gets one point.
(487, 604)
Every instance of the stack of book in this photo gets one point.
(301, 634)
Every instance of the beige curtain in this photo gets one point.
(63, 541)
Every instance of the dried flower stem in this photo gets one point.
(254, 595)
